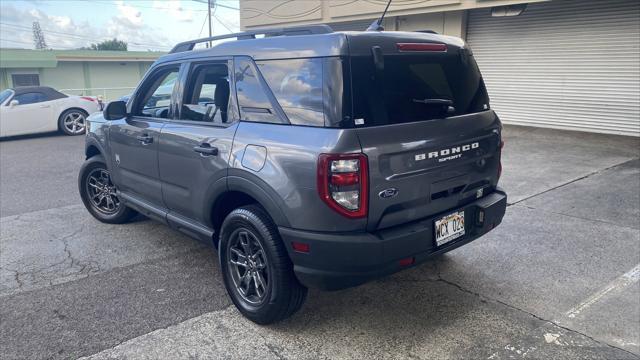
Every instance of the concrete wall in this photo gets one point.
(448, 23)
(416, 14)
(85, 75)
(67, 75)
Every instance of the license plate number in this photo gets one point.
(449, 228)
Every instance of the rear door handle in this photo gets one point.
(44, 106)
(145, 139)
(206, 149)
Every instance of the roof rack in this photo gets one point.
(251, 34)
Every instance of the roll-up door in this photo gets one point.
(568, 64)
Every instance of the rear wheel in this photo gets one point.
(99, 195)
(257, 271)
(73, 121)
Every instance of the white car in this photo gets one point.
(37, 109)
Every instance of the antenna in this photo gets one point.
(376, 25)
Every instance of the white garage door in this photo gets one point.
(569, 64)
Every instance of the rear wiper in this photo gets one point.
(446, 104)
(434, 101)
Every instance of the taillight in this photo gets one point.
(88, 98)
(437, 47)
(343, 183)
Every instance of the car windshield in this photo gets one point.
(4, 95)
(416, 88)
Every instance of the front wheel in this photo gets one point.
(257, 271)
(73, 122)
(99, 195)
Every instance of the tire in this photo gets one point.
(93, 175)
(283, 295)
(73, 122)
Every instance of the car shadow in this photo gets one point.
(33, 136)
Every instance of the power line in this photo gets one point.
(202, 27)
(143, 7)
(218, 4)
(69, 35)
(31, 44)
(223, 24)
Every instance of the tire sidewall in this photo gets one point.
(252, 223)
(64, 114)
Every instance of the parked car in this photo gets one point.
(326, 159)
(37, 109)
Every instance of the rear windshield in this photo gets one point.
(413, 88)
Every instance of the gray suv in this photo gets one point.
(307, 157)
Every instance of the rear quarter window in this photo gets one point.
(297, 86)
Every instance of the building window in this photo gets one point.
(25, 80)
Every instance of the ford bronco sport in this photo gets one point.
(309, 158)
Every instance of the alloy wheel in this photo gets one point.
(248, 266)
(74, 122)
(102, 192)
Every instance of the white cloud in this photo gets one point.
(174, 9)
(129, 14)
(143, 25)
(62, 32)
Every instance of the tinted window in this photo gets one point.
(297, 85)
(206, 95)
(416, 87)
(254, 103)
(4, 95)
(156, 95)
(30, 98)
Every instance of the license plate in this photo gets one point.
(449, 227)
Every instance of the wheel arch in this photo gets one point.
(240, 192)
(93, 148)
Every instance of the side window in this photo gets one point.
(297, 85)
(155, 98)
(254, 103)
(30, 98)
(206, 95)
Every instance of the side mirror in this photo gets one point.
(115, 110)
(13, 103)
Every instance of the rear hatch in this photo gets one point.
(422, 116)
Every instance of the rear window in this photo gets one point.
(416, 88)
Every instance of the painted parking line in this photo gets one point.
(630, 277)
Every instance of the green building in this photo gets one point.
(79, 72)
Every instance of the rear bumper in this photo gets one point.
(341, 260)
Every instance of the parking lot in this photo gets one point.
(558, 279)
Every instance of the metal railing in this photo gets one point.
(107, 93)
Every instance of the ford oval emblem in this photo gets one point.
(388, 193)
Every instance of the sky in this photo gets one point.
(143, 24)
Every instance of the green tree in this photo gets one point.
(115, 44)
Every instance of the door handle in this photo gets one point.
(44, 106)
(145, 139)
(206, 149)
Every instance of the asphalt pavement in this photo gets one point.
(559, 278)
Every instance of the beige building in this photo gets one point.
(568, 64)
